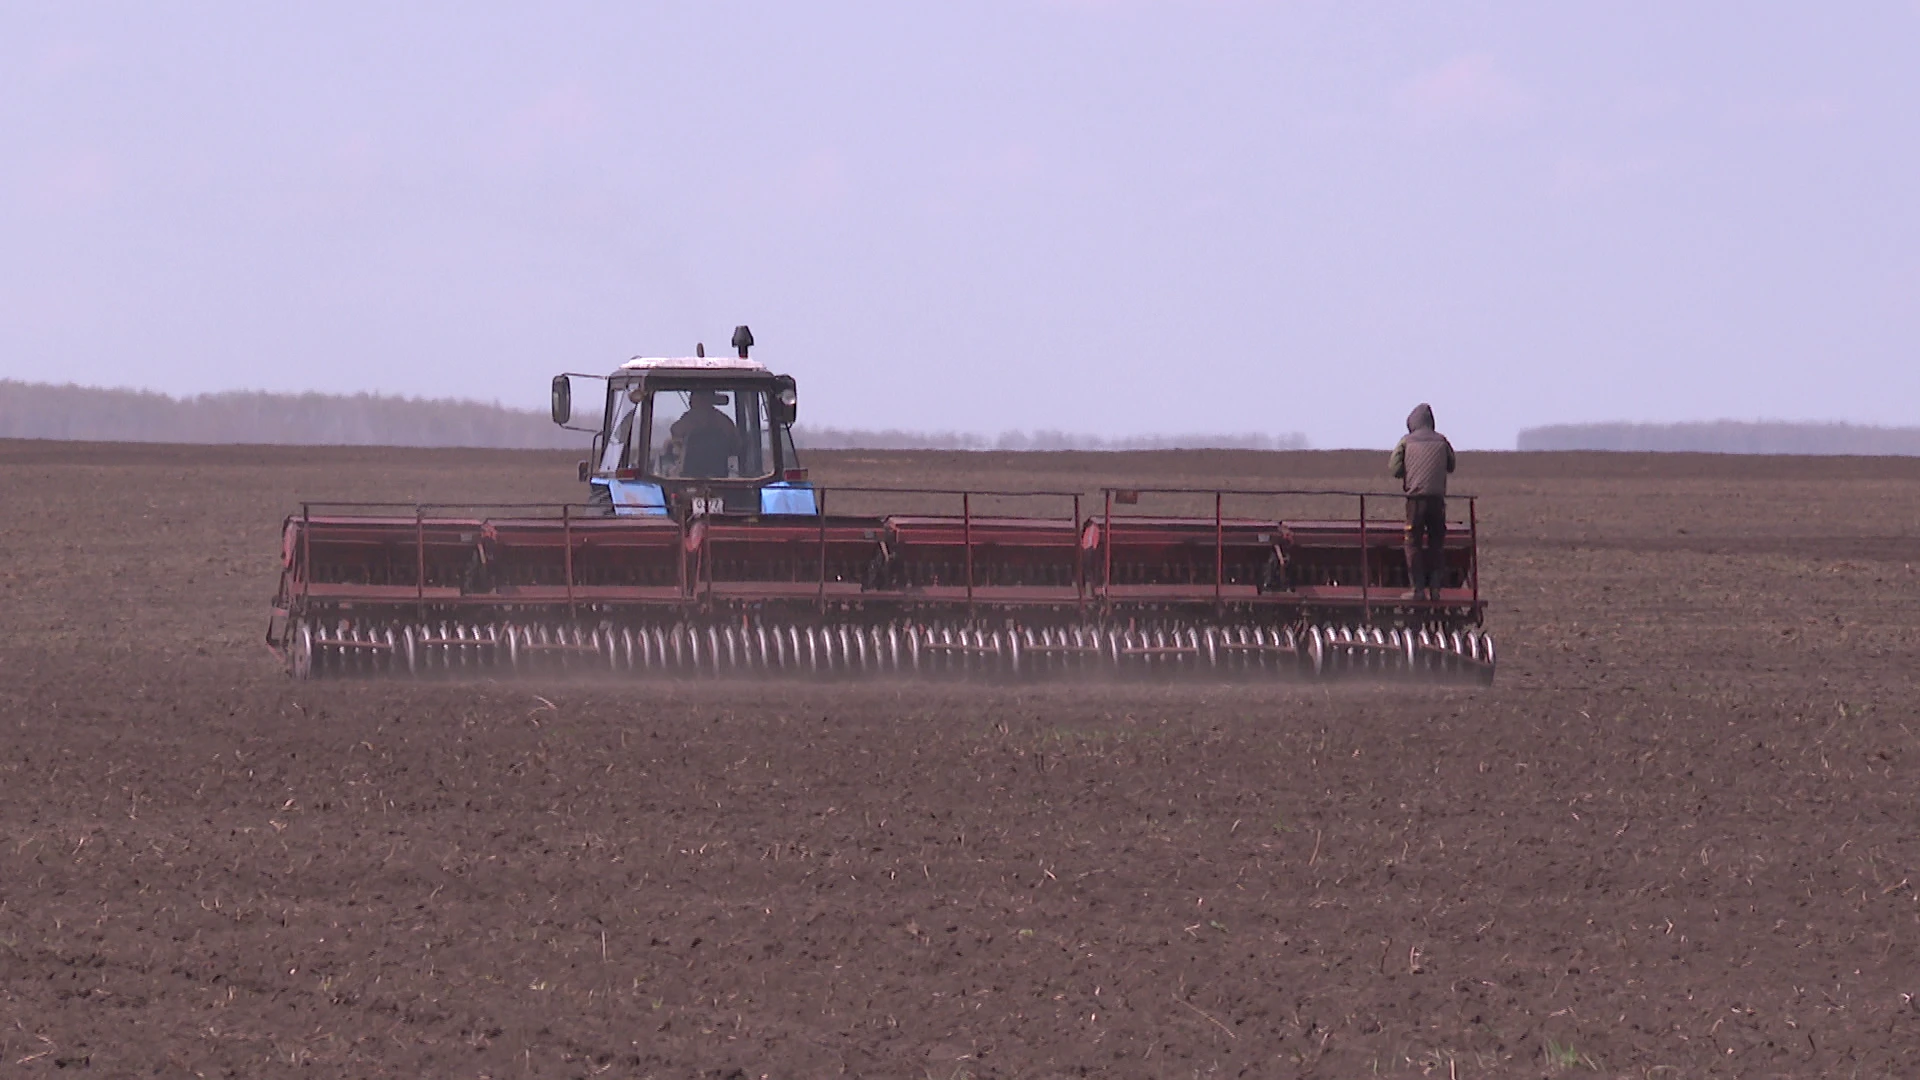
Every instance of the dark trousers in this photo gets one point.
(1426, 540)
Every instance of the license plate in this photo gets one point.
(708, 506)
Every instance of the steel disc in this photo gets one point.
(300, 655)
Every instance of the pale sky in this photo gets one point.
(1106, 217)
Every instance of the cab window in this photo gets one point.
(705, 432)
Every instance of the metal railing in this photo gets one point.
(1131, 496)
(423, 514)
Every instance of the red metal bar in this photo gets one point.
(306, 555)
(822, 496)
(1473, 551)
(420, 559)
(1366, 601)
(966, 533)
(566, 525)
(1079, 561)
(686, 586)
(1219, 550)
(548, 506)
(706, 551)
(1106, 545)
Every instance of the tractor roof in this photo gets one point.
(693, 363)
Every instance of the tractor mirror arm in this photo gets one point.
(562, 400)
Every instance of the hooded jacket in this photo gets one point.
(1422, 460)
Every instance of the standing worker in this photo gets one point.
(1421, 462)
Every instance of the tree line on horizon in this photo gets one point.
(831, 438)
(1728, 437)
(96, 414)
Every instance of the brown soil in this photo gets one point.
(1678, 838)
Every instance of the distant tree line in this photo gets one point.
(42, 411)
(93, 414)
(1728, 437)
(830, 438)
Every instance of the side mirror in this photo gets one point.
(562, 399)
(785, 403)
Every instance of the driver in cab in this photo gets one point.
(705, 436)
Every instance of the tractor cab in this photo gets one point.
(692, 435)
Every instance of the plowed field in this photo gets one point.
(1679, 837)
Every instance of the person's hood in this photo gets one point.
(1420, 418)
